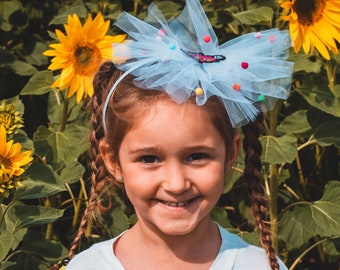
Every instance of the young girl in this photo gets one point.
(165, 129)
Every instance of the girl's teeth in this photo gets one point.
(174, 204)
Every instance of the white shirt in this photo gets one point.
(234, 254)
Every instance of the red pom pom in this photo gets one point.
(206, 38)
(244, 65)
(236, 87)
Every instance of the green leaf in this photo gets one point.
(169, 8)
(35, 189)
(231, 178)
(332, 249)
(277, 150)
(321, 217)
(316, 91)
(22, 68)
(71, 173)
(36, 56)
(9, 227)
(6, 240)
(38, 253)
(7, 8)
(6, 57)
(328, 133)
(7, 265)
(295, 123)
(77, 8)
(76, 113)
(219, 215)
(41, 146)
(40, 83)
(21, 137)
(305, 62)
(120, 221)
(4, 26)
(262, 15)
(64, 146)
(29, 215)
(250, 237)
(42, 173)
(78, 139)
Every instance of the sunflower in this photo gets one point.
(12, 162)
(80, 53)
(9, 117)
(313, 24)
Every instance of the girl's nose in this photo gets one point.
(175, 179)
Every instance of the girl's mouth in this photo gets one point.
(175, 204)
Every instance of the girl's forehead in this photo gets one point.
(167, 109)
(182, 121)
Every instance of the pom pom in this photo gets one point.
(199, 91)
(244, 65)
(206, 38)
(236, 87)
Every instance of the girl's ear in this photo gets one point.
(109, 159)
(232, 158)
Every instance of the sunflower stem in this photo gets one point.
(330, 70)
(49, 228)
(273, 179)
(77, 209)
(135, 8)
(63, 114)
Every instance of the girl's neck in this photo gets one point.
(149, 247)
(205, 232)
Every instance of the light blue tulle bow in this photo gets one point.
(183, 57)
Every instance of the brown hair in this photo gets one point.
(128, 104)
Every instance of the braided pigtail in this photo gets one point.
(99, 178)
(253, 175)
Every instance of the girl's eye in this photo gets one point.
(149, 159)
(197, 156)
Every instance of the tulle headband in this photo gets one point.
(182, 57)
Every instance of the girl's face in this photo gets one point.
(173, 162)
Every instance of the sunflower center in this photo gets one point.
(5, 162)
(87, 60)
(309, 11)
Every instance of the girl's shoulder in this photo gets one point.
(235, 253)
(98, 256)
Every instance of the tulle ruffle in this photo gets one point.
(167, 56)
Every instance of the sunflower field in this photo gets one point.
(49, 53)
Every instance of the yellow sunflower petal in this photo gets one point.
(8, 147)
(321, 48)
(66, 76)
(74, 86)
(307, 42)
(80, 93)
(3, 136)
(22, 159)
(324, 35)
(331, 19)
(286, 5)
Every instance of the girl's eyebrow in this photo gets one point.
(195, 148)
(141, 149)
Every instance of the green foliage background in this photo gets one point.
(301, 142)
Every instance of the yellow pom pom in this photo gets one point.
(199, 91)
